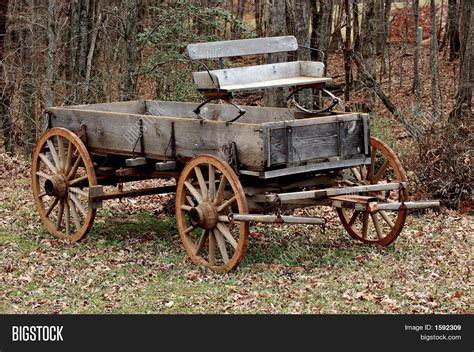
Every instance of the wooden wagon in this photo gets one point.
(230, 171)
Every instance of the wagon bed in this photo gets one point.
(269, 142)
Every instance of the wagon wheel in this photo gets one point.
(62, 171)
(207, 191)
(379, 227)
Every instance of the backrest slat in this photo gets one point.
(241, 47)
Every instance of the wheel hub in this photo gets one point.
(204, 215)
(56, 186)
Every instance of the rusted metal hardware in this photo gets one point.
(97, 195)
(277, 219)
(82, 134)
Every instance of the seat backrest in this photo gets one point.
(241, 47)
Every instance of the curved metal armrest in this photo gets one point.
(241, 111)
(313, 49)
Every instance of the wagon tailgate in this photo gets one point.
(328, 138)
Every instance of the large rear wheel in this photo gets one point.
(62, 172)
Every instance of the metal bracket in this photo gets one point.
(225, 97)
(82, 134)
(335, 101)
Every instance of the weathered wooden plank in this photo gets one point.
(130, 107)
(241, 47)
(219, 112)
(292, 73)
(116, 133)
(317, 166)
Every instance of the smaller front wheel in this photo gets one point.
(207, 191)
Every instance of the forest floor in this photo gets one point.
(133, 262)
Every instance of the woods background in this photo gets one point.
(408, 63)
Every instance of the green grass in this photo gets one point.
(133, 261)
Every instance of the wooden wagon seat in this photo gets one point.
(271, 75)
(295, 73)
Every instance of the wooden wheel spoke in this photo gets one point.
(223, 218)
(61, 154)
(78, 205)
(386, 218)
(363, 172)
(43, 175)
(226, 204)
(188, 229)
(354, 217)
(378, 229)
(54, 154)
(365, 224)
(74, 168)
(60, 214)
(227, 234)
(380, 172)
(186, 207)
(212, 249)
(212, 182)
(373, 153)
(194, 192)
(201, 181)
(77, 180)
(201, 242)
(220, 190)
(67, 167)
(48, 163)
(67, 218)
(78, 191)
(75, 215)
(356, 174)
(51, 207)
(221, 245)
(190, 201)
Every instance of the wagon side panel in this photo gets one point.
(119, 133)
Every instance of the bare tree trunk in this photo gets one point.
(355, 12)
(129, 81)
(463, 105)
(239, 16)
(369, 50)
(401, 72)
(48, 95)
(434, 65)
(451, 35)
(27, 87)
(321, 28)
(382, 41)
(347, 51)
(290, 25)
(6, 85)
(277, 27)
(302, 10)
(259, 17)
(416, 56)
